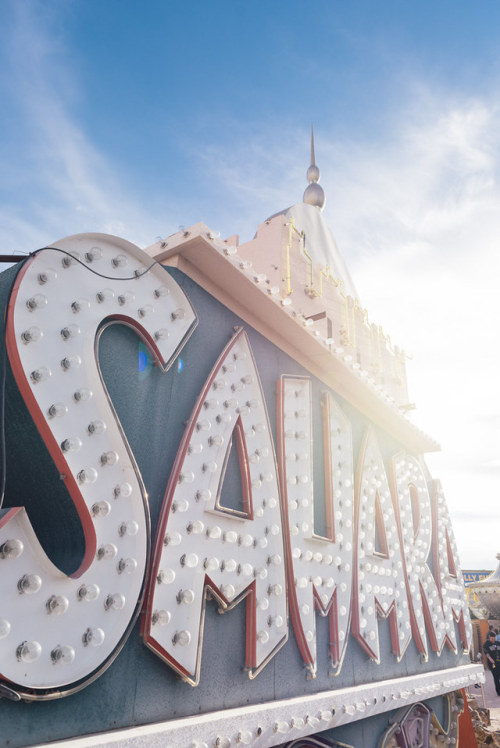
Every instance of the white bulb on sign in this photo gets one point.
(93, 254)
(47, 276)
(11, 548)
(29, 584)
(53, 323)
(221, 544)
(29, 651)
(57, 605)
(62, 655)
(80, 305)
(312, 554)
(38, 301)
(88, 592)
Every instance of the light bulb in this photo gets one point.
(5, 628)
(145, 310)
(69, 259)
(217, 440)
(57, 604)
(88, 592)
(87, 475)
(93, 254)
(29, 651)
(38, 301)
(127, 566)
(166, 576)
(96, 427)
(41, 374)
(182, 638)
(63, 654)
(46, 276)
(119, 261)
(114, 602)
(124, 490)
(203, 425)
(178, 314)
(107, 294)
(161, 334)
(107, 551)
(94, 637)
(11, 548)
(190, 560)
(101, 509)
(209, 467)
(281, 727)
(228, 591)
(160, 291)
(172, 538)
(211, 403)
(211, 564)
(126, 298)
(185, 596)
(82, 395)
(31, 335)
(57, 410)
(70, 331)
(29, 584)
(195, 527)
(80, 305)
(244, 737)
(109, 458)
(70, 362)
(161, 618)
(72, 444)
(203, 495)
(181, 505)
(129, 528)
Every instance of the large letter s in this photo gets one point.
(57, 630)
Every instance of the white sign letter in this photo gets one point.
(203, 548)
(379, 586)
(55, 629)
(320, 567)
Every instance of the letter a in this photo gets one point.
(202, 548)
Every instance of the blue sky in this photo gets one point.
(134, 119)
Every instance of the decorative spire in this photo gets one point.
(314, 194)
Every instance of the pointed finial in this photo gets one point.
(314, 194)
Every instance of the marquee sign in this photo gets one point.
(292, 517)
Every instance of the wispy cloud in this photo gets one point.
(60, 183)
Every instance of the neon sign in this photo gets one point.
(57, 632)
